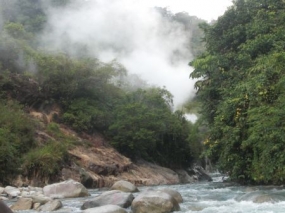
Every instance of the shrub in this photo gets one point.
(16, 138)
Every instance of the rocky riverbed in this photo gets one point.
(202, 197)
(118, 199)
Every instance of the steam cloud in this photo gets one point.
(138, 37)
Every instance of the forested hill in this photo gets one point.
(89, 96)
(242, 91)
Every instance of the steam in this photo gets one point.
(138, 37)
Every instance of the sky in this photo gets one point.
(206, 9)
(135, 35)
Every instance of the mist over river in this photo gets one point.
(209, 197)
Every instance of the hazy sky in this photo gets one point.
(205, 9)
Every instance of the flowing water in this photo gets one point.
(210, 197)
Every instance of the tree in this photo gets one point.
(145, 127)
(240, 77)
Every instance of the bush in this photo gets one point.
(16, 138)
(45, 161)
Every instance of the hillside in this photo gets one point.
(89, 160)
(38, 147)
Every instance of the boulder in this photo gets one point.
(4, 208)
(124, 186)
(114, 197)
(175, 194)
(35, 190)
(154, 202)
(51, 206)
(24, 194)
(66, 189)
(106, 209)
(184, 177)
(36, 206)
(39, 199)
(200, 173)
(86, 179)
(23, 204)
(12, 191)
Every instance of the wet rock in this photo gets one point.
(260, 197)
(23, 204)
(40, 199)
(124, 186)
(184, 177)
(66, 189)
(154, 202)
(106, 209)
(175, 194)
(51, 206)
(86, 179)
(196, 208)
(36, 206)
(200, 173)
(24, 194)
(114, 197)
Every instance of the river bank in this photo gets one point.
(92, 162)
(206, 197)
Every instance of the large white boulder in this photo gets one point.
(12, 191)
(66, 189)
(154, 202)
(114, 197)
(124, 186)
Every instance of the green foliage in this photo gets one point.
(28, 13)
(45, 161)
(87, 115)
(16, 138)
(16, 30)
(195, 138)
(145, 127)
(241, 89)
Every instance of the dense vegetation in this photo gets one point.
(140, 123)
(241, 88)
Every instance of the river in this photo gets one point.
(208, 197)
